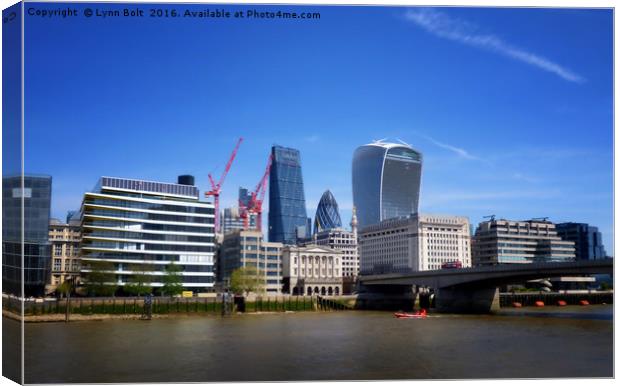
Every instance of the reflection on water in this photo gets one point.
(568, 342)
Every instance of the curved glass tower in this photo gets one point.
(386, 181)
(327, 216)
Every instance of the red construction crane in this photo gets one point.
(216, 188)
(255, 204)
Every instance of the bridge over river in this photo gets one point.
(477, 289)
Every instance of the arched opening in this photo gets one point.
(330, 291)
(322, 290)
(316, 290)
(337, 290)
(309, 290)
(295, 291)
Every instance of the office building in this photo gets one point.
(287, 203)
(588, 240)
(415, 243)
(144, 226)
(232, 220)
(519, 242)
(65, 239)
(312, 270)
(27, 254)
(247, 248)
(327, 216)
(386, 181)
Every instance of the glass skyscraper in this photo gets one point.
(287, 203)
(386, 181)
(36, 197)
(587, 238)
(327, 216)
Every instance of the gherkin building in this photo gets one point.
(327, 216)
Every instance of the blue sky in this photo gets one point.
(512, 108)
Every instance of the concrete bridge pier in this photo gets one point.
(467, 300)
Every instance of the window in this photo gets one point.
(58, 250)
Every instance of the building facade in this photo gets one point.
(247, 248)
(65, 239)
(287, 203)
(33, 248)
(519, 242)
(327, 216)
(231, 220)
(386, 181)
(144, 226)
(588, 240)
(312, 270)
(415, 243)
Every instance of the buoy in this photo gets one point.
(561, 303)
(584, 302)
(539, 303)
(516, 304)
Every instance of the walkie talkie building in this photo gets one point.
(386, 181)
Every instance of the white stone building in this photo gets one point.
(416, 243)
(312, 270)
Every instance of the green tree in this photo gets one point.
(64, 288)
(99, 278)
(247, 279)
(173, 284)
(140, 282)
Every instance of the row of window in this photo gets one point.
(148, 216)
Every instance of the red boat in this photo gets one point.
(416, 315)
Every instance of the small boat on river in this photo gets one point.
(416, 315)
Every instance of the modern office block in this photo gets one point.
(26, 249)
(519, 242)
(588, 240)
(287, 203)
(327, 216)
(416, 243)
(145, 225)
(386, 181)
(241, 248)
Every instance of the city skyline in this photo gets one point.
(521, 128)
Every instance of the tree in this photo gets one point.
(173, 284)
(99, 278)
(64, 288)
(140, 282)
(247, 279)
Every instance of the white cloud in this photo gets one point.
(457, 150)
(439, 24)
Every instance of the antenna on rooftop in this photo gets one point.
(490, 217)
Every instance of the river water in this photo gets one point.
(524, 343)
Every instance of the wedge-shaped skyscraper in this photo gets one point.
(287, 203)
(386, 181)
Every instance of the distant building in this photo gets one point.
(231, 220)
(65, 239)
(588, 240)
(247, 248)
(386, 181)
(144, 226)
(312, 270)
(327, 216)
(415, 243)
(34, 199)
(518, 242)
(287, 203)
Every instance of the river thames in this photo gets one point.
(355, 345)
